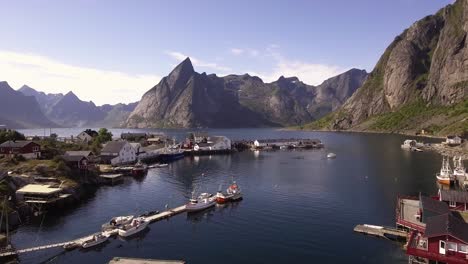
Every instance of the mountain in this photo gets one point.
(20, 111)
(69, 111)
(420, 82)
(46, 101)
(186, 98)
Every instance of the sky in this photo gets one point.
(114, 51)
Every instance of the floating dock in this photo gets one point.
(381, 231)
(78, 242)
(118, 260)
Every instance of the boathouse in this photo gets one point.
(444, 240)
(27, 149)
(456, 200)
(38, 195)
(214, 143)
(118, 152)
(453, 140)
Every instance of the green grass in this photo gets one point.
(413, 113)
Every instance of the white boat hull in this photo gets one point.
(200, 206)
(92, 243)
(134, 230)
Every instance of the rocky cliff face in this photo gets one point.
(426, 65)
(186, 98)
(20, 111)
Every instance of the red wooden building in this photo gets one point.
(445, 239)
(27, 149)
(456, 200)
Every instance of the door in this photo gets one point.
(442, 247)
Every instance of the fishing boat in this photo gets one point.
(139, 169)
(331, 155)
(204, 201)
(459, 170)
(445, 175)
(94, 241)
(233, 193)
(117, 222)
(137, 225)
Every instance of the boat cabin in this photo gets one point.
(456, 200)
(444, 240)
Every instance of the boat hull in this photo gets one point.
(133, 231)
(199, 206)
(442, 180)
(88, 244)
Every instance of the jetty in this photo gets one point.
(381, 231)
(78, 242)
(119, 260)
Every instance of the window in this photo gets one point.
(452, 246)
(463, 248)
(453, 204)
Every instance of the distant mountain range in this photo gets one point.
(69, 111)
(186, 98)
(419, 83)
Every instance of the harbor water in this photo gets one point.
(298, 205)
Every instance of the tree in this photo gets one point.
(104, 135)
(8, 134)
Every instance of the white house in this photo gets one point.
(214, 143)
(118, 152)
(453, 140)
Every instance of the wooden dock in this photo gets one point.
(381, 231)
(78, 242)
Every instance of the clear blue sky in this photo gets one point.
(140, 41)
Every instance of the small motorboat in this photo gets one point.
(94, 241)
(416, 149)
(331, 155)
(117, 222)
(137, 225)
(205, 200)
(139, 169)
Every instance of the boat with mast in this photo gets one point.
(135, 226)
(203, 201)
(233, 193)
(459, 169)
(445, 175)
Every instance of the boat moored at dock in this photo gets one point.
(445, 175)
(94, 241)
(204, 201)
(139, 169)
(117, 222)
(135, 226)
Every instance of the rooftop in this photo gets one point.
(454, 196)
(84, 153)
(432, 205)
(38, 189)
(16, 144)
(113, 146)
(447, 224)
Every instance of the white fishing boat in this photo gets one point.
(137, 225)
(331, 155)
(94, 241)
(459, 170)
(117, 222)
(204, 201)
(445, 175)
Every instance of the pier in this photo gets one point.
(78, 242)
(381, 231)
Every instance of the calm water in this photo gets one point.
(298, 206)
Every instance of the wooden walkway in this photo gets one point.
(78, 242)
(380, 231)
